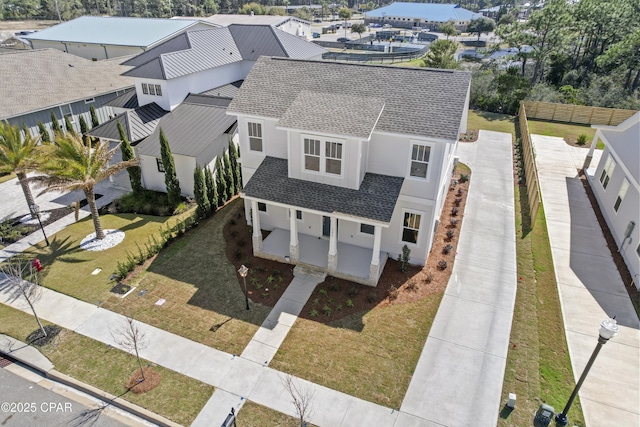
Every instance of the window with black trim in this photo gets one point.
(623, 192)
(160, 165)
(367, 228)
(607, 171)
(262, 207)
(255, 136)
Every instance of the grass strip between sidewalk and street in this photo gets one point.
(177, 397)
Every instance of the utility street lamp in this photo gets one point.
(608, 329)
(243, 270)
(35, 210)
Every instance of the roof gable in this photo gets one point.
(137, 124)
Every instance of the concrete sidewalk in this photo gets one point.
(590, 289)
(458, 380)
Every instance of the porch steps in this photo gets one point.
(315, 273)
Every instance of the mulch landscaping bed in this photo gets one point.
(138, 386)
(335, 298)
(470, 136)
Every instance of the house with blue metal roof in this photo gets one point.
(421, 15)
(105, 37)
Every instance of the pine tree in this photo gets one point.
(44, 133)
(221, 184)
(170, 178)
(200, 193)
(68, 126)
(228, 177)
(212, 191)
(135, 173)
(55, 124)
(94, 117)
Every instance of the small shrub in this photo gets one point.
(261, 269)
(241, 242)
(258, 284)
(349, 303)
(265, 294)
(403, 258)
(459, 193)
(372, 297)
(457, 201)
(237, 254)
(353, 291)
(233, 221)
(181, 208)
(428, 278)
(463, 178)
(233, 233)
(254, 281)
(334, 287)
(270, 279)
(323, 292)
(454, 211)
(442, 264)
(339, 307)
(316, 301)
(393, 293)
(582, 139)
(276, 273)
(450, 234)
(453, 222)
(447, 249)
(313, 312)
(330, 301)
(326, 310)
(412, 285)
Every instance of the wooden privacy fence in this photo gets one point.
(571, 113)
(529, 163)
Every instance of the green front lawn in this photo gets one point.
(491, 121)
(177, 397)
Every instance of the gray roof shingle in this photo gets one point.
(417, 101)
(375, 200)
(191, 127)
(137, 124)
(341, 114)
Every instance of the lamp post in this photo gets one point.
(243, 270)
(35, 210)
(608, 329)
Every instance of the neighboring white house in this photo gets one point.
(347, 159)
(615, 184)
(105, 37)
(34, 83)
(289, 24)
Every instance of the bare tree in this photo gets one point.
(22, 278)
(301, 397)
(131, 338)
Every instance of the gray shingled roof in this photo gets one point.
(34, 80)
(375, 200)
(129, 100)
(417, 101)
(341, 114)
(227, 91)
(191, 127)
(137, 124)
(205, 49)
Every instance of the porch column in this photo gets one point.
(333, 245)
(257, 233)
(592, 148)
(374, 269)
(294, 246)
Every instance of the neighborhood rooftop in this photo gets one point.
(36, 79)
(417, 101)
(374, 200)
(228, 19)
(431, 11)
(201, 50)
(121, 31)
(137, 124)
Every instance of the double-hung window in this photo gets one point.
(333, 154)
(607, 171)
(158, 90)
(623, 192)
(312, 154)
(323, 156)
(255, 136)
(145, 88)
(152, 89)
(411, 227)
(419, 160)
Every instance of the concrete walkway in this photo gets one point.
(458, 380)
(590, 289)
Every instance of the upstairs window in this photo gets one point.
(607, 171)
(145, 88)
(333, 154)
(158, 90)
(255, 136)
(623, 192)
(419, 160)
(152, 89)
(312, 154)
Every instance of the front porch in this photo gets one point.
(353, 262)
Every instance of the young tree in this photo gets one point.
(228, 176)
(94, 117)
(359, 29)
(344, 14)
(55, 124)
(69, 164)
(221, 184)
(44, 133)
(481, 25)
(212, 192)
(22, 278)
(135, 173)
(83, 126)
(68, 126)
(301, 397)
(441, 55)
(448, 29)
(235, 166)
(200, 193)
(18, 154)
(132, 339)
(170, 177)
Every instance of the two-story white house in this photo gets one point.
(345, 164)
(616, 185)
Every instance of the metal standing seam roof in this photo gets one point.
(228, 91)
(375, 199)
(191, 127)
(142, 32)
(273, 20)
(201, 50)
(430, 11)
(34, 80)
(129, 100)
(137, 124)
(417, 101)
(344, 115)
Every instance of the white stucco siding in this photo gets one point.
(153, 179)
(144, 99)
(274, 142)
(184, 171)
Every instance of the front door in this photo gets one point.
(326, 226)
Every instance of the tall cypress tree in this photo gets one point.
(84, 128)
(94, 117)
(221, 184)
(135, 173)
(200, 193)
(170, 178)
(68, 126)
(44, 133)
(228, 177)
(212, 191)
(233, 157)
(55, 124)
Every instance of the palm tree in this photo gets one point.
(19, 155)
(72, 165)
